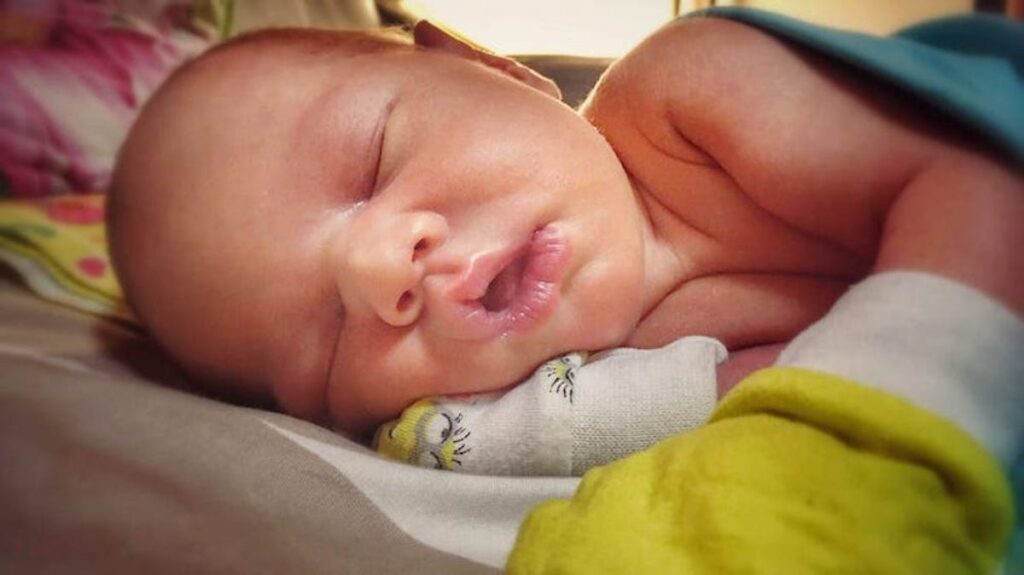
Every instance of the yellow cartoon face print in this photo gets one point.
(560, 374)
(426, 434)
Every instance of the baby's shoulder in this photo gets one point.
(719, 91)
(734, 90)
(787, 130)
(704, 55)
(685, 63)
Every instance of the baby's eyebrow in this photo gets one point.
(380, 140)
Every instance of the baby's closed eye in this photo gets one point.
(380, 140)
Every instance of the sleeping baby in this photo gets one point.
(346, 223)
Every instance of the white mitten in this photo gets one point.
(571, 415)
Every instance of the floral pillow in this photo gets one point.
(57, 246)
(73, 74)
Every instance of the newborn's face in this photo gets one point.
(358, 232)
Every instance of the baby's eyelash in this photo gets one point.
(380, 160)
(381, 137)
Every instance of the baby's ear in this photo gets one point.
(430, 36)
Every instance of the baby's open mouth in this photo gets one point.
(502, 289)
(506, 291)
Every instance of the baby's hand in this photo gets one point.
(744, 362)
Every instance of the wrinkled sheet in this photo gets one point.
(111, 465)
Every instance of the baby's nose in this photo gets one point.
(393, 284)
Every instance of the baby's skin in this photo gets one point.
(345, 223)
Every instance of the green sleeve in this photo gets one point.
(797, 472)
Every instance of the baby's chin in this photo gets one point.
(611, 336)
(604, 324)
(611, 328)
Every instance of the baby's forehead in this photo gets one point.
(256, 59)
(212, 102)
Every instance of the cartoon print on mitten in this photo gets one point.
(561, 374)
(426, 434)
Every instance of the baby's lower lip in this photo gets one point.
(535, 298)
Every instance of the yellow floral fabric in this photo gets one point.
(58, 247)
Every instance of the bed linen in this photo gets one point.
(58, 247)
(112, 465)
(73, 75)
(967, 68)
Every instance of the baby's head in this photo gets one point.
(344, 223)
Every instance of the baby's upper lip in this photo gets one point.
(461, 308)
(481, 270)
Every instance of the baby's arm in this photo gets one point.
(945, 347)
(765, 151)
(861, 169)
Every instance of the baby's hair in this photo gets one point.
(317, 40)
(307, 41)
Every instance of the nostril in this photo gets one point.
(405, 301)
(421, 249)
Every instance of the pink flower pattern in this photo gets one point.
(66, 103)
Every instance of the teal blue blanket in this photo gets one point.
(969, 68)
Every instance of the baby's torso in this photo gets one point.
(749, 273)
(746, 276)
